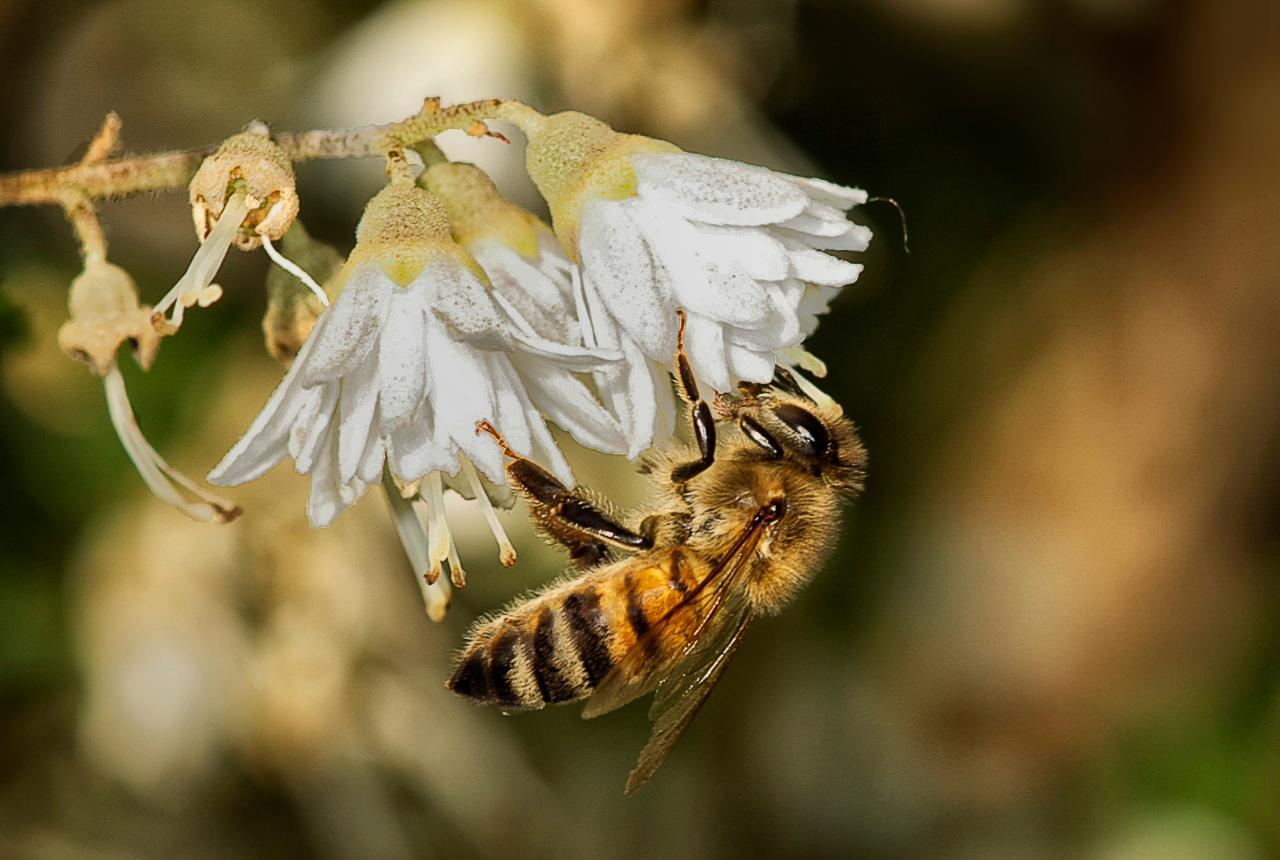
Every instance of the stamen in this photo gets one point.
(805, 359)
(413, 534)
(816, 394)
(456, 573)
(206, 262)
(415, 540)
(164, 480)
(437, 595)
(506, 552)
(438, 526)
(294, 269)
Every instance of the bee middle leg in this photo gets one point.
(567, 517)
(704, 423)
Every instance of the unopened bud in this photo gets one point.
(477, 211)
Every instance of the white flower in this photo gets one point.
(532, 280)
(412, 354)
(738, 247)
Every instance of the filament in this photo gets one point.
(294, 269)
(207, 260)
(437, 525)
(506, 552)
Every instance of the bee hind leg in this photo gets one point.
(571, 518)
(704, 423)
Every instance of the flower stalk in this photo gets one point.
(169, 171)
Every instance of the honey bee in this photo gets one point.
(737, 528)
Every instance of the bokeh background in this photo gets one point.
(1051, 629)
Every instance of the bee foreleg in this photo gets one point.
(567, 517)
(704, 424)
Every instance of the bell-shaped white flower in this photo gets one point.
(532, 280)
(738, 247)
(412, 354)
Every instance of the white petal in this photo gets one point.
(575, 358)
(538, 289)
(717, 191)
(509, 414)
(370, 469)
(413, 452)
(664, 424)
(709, 286)
(792, 290)
(617, 261)
(510, 396)
(352, 326)
(813, 303)
(821, 234)
(628, 391)
(840, 196)
(759, 254)
(780, 329)
(462, 395)
(704, 343)
(459, 298)
(357, 404)
(570, 404)
(311, 428)
(264, 443)
(809, 264)
(750, 365)
(324, 499)
(819, 219)
(402, 363)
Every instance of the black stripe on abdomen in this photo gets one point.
(589, 632)
(552, 683)
(502, 662)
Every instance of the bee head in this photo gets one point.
(789, 421)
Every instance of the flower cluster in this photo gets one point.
(456, 307)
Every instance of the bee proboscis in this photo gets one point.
(739, 525)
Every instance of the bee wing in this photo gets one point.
(718, 602)
(680, 697)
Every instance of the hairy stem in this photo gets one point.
(95, 177)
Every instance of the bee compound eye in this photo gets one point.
(811, 437)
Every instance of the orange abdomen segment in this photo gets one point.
(558, 646)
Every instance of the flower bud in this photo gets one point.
(253, 162)
(477, 211)
(104, 313)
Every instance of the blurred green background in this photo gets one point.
(1051, 629)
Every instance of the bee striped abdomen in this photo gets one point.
(560, 646)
